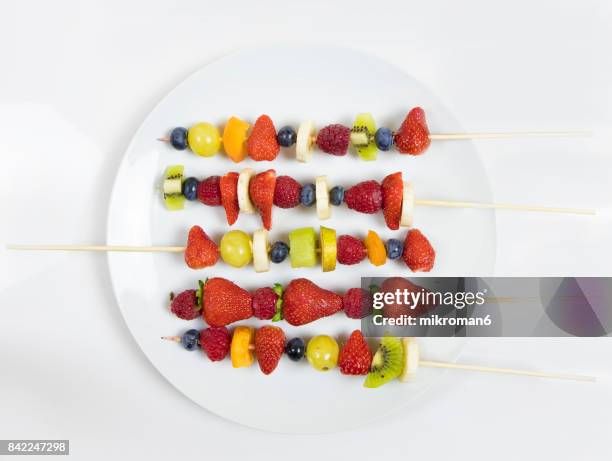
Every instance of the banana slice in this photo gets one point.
(261, 261)
(411, 359)
(322, 197)
(407, 205)
(244, 199)
(303, 143)
(172, 186)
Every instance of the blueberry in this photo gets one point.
(383, 139)
(190, 339)
(336, 195)
(307, 196)
(279, 252)
(286, 136)
(190, 188)
(295, 349)
(178, 138)
(394, 248)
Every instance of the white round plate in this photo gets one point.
(291, 84)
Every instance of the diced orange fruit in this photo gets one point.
(377, 254)
(241, 350)
(234, 139)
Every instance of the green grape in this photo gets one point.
(236, 248)
(204, 139)
(322, 352)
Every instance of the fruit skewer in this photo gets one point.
(237, 249)
(395, 358)
(263, 143)
(247, 192)
(220, 302)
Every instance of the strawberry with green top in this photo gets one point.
(224, 302)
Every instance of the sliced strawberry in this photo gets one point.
(392, 191)
(229, 196)
(413, 136)
(261, 190)
(201, 251)
(418, 253)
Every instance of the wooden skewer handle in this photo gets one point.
(511, 134)
(119, 248)
(502, 206)
(508, 371)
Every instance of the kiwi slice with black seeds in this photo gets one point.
(387, 364)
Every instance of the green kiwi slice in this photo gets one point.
(173, 196)
(387, 364)
(362, 136)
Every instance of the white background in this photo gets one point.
(78, 78)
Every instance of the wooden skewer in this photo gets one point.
(511, 134)
(176, 339)
(180, 249)
(501, 206)
(508, 371)
(119, 248)
(460, 366)
(492, 135)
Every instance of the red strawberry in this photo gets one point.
(355, 357)
(269, 347)
(365, 197)
(397, 309)
(215, 342)
(209, 192)
(185, 305)
(225, 302)
(261, 190)
(264, 303)
(334, 139)
(262, 143)
(305, 302)
(357, 303)
(392, 192)
(413, 136)
(418, 253)
(228, 185)
(287, 192)
(349, 250)
(201, 251)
